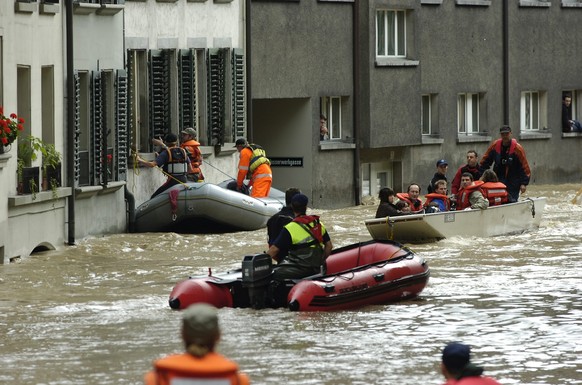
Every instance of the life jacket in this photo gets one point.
(495, 192)
(464, 195)
(432, 196)
(212, 369)
(177, 163)
(414, 206)
(258, 157)
(192, 148)
(504, 161)
(306, 248)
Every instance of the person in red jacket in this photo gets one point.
(199, 364)
(457, 368)
(471, 167)
(255, 165)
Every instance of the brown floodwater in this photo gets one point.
(97, 312)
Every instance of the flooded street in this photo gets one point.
(97, 313)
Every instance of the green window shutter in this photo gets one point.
(77, 128)
(216, 64)
(187, 89)
(160, 113)
(238, 94)
(121, 151)
(97, 137)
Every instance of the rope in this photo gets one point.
(135, 166)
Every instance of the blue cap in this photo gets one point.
(456, 355)
(299, 200)
(442, 162)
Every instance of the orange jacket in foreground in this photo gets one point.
(261, 176)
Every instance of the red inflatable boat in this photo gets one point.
(373, 272)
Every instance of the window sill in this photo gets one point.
(39, 197)
(86, 192)
(479, 3)
(535, 135)
(85, 8)
(335, 145)
(571, 134)
(533, 3)
(49, 9)
(571, 4)
(23, 7)
(431, 2)
(396, 62)
(426, 139)
(110, 9)
(476, 138)
(4, 160)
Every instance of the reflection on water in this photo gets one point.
(97, 313)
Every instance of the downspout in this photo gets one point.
(70, 121)
(505, 61)
(248, 70)
(356, 98)
(130, 203)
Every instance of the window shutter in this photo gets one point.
(238, 94)
(77, 128)
(216, 95)
(96, 129)
(160, 114)
(121, 122)
(187, 84)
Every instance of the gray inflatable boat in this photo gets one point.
(206, 208)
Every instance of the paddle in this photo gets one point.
(576, 196)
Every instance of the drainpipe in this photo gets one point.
(356, 98)
(70, 121)
(130, 199)
(506, 61)
(248, 69)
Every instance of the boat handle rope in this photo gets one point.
(533, 207)
(390, 225)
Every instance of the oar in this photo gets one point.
(576, 196)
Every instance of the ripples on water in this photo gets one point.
(97, 313)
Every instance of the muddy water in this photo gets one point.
(97, 313)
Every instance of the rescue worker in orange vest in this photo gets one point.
(199, 364)
(469, 195)
(173, 160)
(255, 165)
(457, 368)
(192, 146)
(493, 190)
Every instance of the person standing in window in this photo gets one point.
(509, 163)
(568, 124)
(323, 130)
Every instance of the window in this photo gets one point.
(391, 33)
(532, 111)
(426, 114)
(468, 113)
(48, 104)
(331, 108)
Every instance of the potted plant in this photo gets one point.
(28, 175)
(51, 167)
(10, 129)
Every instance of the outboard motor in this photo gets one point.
(256, 276)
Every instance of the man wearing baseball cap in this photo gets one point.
(509, 163)
(442, 166)
(457, 368)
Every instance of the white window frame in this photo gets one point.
(468, 113)
(530, 111)
(331, 107)
(391, 33)
(426, 114)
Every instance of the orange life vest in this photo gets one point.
(413, 207)
(432, 196)
(464, 194)
(213, 368)
(495, 193)
(192, 147)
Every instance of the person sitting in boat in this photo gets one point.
(276, 223)
(255, 165)
(174, 162)
(411, 196)
(493, 190)
(470, 195)
(438, 200)
(387, 208)
(457, 368)
(305, 243)
(192, 147)
(200, 363)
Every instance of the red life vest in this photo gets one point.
(464, 194)
(405, 197)
(432, 196)
(312, 225)
(495, 193)
(210, 369)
